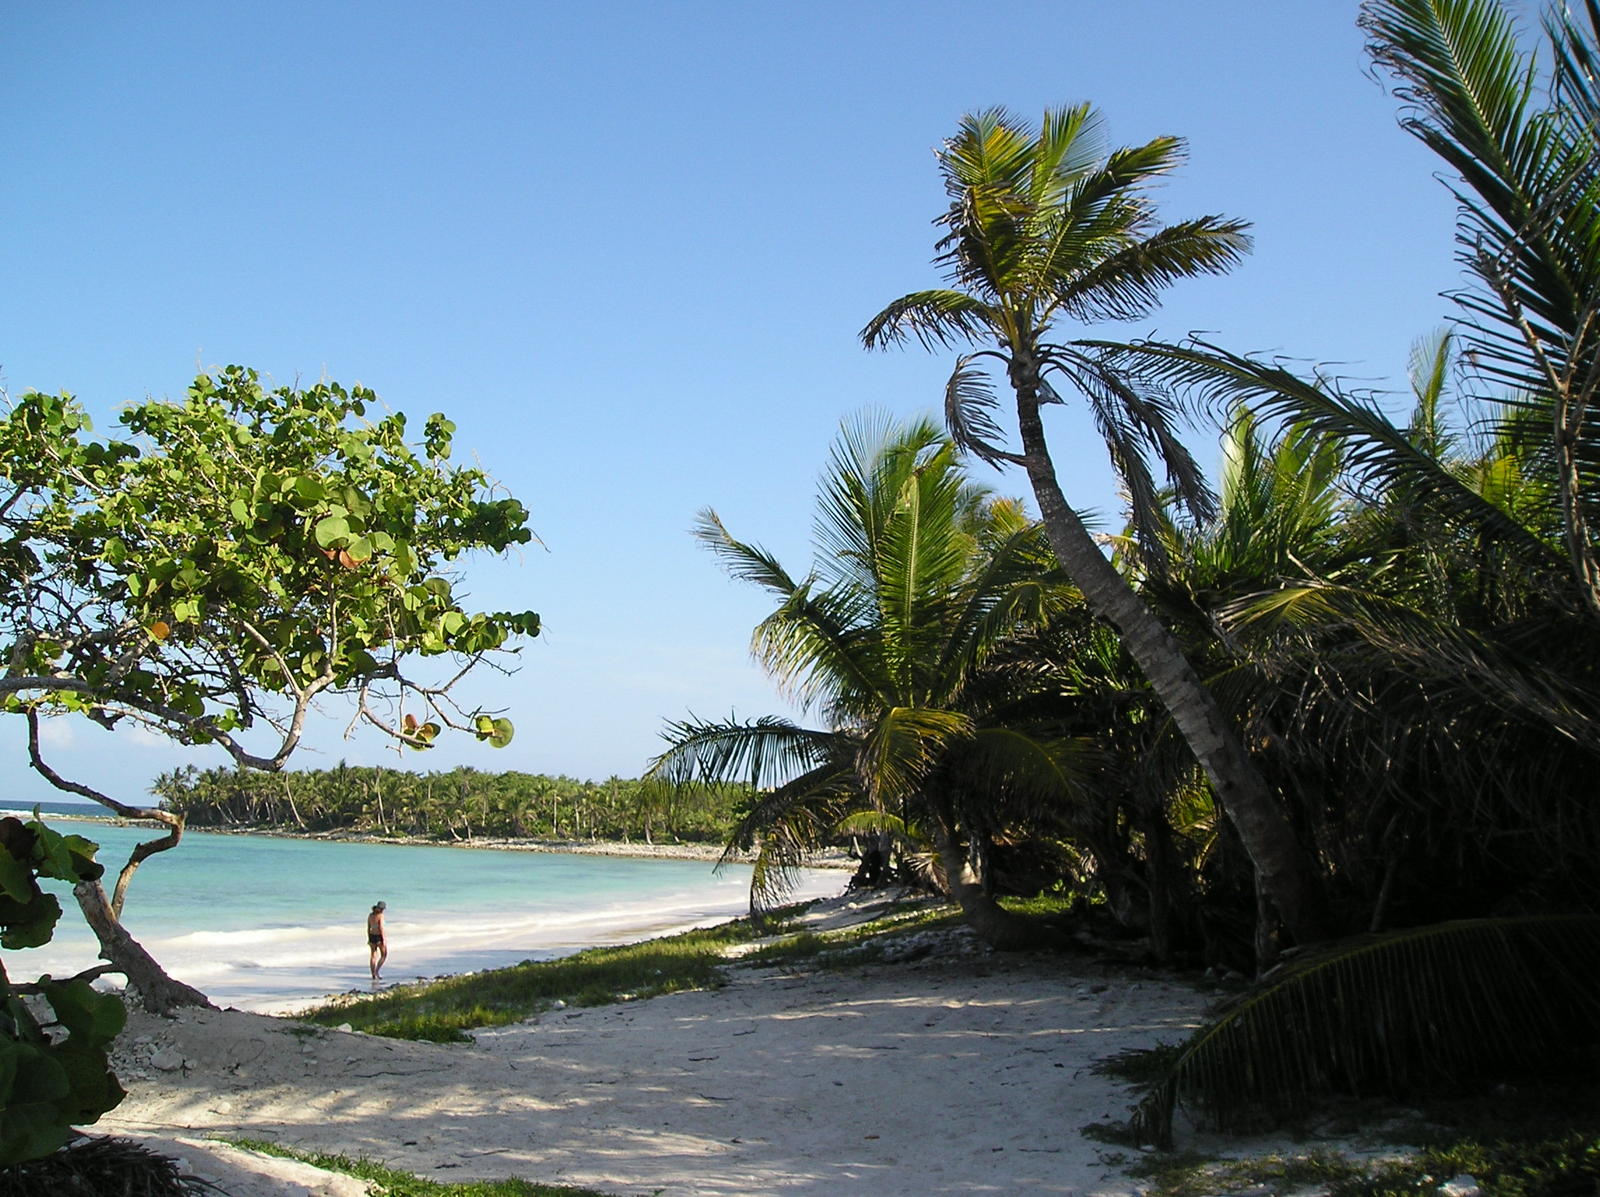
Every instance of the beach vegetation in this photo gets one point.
(1425, 682)
(444, 1010)
(459, 805)
(95, 1166)
(1495, 1161)
(228, 561)
(1427, 1009)
(893, 638)
(55, 1072)
(1048, 225)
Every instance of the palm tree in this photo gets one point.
(1043, 226)
(920, 574)
(1528, 193)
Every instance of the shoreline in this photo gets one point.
(834, 858)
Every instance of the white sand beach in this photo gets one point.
(959, 1071)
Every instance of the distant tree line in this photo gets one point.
(461, 804)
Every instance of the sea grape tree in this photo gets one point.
(231, 560)
(54, 1068)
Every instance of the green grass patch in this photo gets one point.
(1041, 906)
(392, 1183)
(442, 1011)
(865, 943)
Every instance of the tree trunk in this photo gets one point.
(143, 852)
(159, 993)
(994, 924)
(1287, 877)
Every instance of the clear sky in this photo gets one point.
(628, 248)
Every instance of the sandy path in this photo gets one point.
(961, 1073)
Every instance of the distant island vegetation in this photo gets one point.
(460, 804)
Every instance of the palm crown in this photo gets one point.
(1049, 224)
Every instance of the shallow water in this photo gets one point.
(266, 923)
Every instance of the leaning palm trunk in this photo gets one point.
(1043, 225)
(992, 922)
(1284, 869)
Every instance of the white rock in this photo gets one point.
(168, 1059)
(1465, 1185)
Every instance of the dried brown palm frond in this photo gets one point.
(102, 1167)
(1415, 1010)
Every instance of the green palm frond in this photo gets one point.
(1528, 191)
(872, 822)
(761, 753)
(1429, 371)
(812, 646)
(1044, 772)
(1017, 583)
(746, 562)
(903, 746)
(1419, 1009)
(1377, 452)
(1138, 422)
(1128, 283)
(1460, 666)
(787, 824)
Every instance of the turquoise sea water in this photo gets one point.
(266, 923)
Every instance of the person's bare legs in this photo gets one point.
(380, 953)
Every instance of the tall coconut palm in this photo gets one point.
(920, 574)
(1047, 226)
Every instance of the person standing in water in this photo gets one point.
(377, 941)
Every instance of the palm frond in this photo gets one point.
(1127, 283)
(903, 746)
(1429, 371)
(762, 753)
(1377, 450)
(787, 824)
(1458, 664)
(1528, 192)
(1137, 422)
(937, 319)
(746, 562)
(969, 400)
(1418, 1009)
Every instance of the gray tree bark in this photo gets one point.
(1286, 872)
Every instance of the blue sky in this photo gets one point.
(628, 247)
